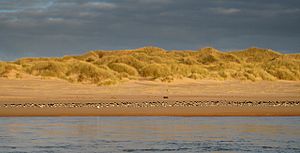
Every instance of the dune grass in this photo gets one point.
(110, 67)
(6, 68)
(123, 68)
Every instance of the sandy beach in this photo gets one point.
(53, 97)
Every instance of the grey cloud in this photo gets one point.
(221, 10)
(58, 27)
(155, 1)
(99, 5)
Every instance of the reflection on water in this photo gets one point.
(150, 134)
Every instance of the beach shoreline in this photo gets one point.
(36, 97)
(157, 111)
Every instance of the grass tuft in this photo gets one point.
(123, 68)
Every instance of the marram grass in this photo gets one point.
(111, 67)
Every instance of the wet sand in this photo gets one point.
(35, 97)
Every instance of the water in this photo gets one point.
(149, 134)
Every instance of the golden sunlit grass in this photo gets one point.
(110, 67)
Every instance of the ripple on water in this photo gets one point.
(150, 134)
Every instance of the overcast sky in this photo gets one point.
(59, 27)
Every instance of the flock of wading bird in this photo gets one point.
(164, 103)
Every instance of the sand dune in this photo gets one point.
(152, 63)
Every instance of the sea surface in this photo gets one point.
(149, 134)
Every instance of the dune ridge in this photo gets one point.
(152, 63)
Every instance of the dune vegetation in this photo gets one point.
(152, 63)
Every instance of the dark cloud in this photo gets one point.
(58, 27)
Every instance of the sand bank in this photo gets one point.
(35, 97)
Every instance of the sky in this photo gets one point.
(35, 28)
